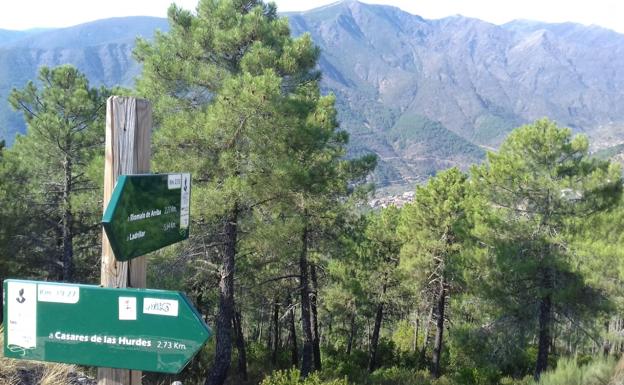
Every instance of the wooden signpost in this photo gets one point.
(117, 325)
(128, 151)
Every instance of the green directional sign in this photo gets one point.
(147, 212)
(141, 329)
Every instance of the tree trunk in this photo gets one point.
(307, 355)
(438, 342)
(351, 334)
(258, 333)
(423, 349)
(368, 333)
(375, 339)
(545, 321)
(616, 347)
(316, 338)
(240, 345)
(276, 332)
(619, 329)
(269, 334)
(292, 333)
(606, 344)
(67, 224)
(223, 334)
(415, 339)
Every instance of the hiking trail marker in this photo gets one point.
(141, 329)
(147, 212)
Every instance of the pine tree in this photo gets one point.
(65, 121)
(320, 182)
(345, 294)
(379, 253)
(540, 180)
(434, 228)
(236, 100)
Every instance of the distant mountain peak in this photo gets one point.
(350, 5)
(422, 94)
(320, 8)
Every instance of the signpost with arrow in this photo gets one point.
(147, 212)
(143, 329)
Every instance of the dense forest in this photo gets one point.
(508, 273)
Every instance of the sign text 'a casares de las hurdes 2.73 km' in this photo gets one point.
(142, 329)
(147, 212)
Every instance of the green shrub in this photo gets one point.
(485, 375)
(471, 359)
(260, 354)
(337, 364)
(399, 376)
(293, 377)
(528, 380)
(403, 336)
(386, 353)
(478, 356)
(443, 381)
(410, 360)
(568, 372)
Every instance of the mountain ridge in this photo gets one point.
(477, 79)
(101, 49)
(118, 29)
(403, 78)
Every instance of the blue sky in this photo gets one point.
(25, 14)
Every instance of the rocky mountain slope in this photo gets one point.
(426, 94)
(422, 94)
(101, 49)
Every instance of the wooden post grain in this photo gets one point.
(128, 135)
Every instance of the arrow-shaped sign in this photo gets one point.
(141, 329)
(147, 212)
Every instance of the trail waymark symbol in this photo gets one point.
(21, 298)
